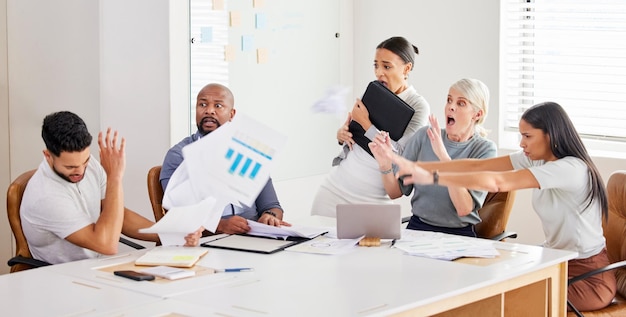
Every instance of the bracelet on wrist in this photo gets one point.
(387, 171)
(435, 177)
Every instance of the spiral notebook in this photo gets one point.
(387, 111)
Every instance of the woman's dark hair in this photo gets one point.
(64, 131)
(552, 119)
(401, 47)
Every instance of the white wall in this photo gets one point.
(135, 89)
(5, 179)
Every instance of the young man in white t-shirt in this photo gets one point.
(73, 206)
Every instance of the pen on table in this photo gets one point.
(235, 269)
(393, 242)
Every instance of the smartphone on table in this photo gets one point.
(134, 275)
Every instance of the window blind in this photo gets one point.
(572, 52)
(209, 37)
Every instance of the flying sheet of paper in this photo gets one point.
(180, 221)
(333, 102)
(234, 161)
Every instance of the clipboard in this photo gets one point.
(387, 111)
(256, 244)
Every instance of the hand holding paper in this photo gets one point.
(179, 221)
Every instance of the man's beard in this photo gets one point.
(199, 125)
(66, 177)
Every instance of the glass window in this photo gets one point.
(572, 52)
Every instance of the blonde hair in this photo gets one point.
(477, 93)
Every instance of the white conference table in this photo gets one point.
(382, 281)
(42, 292)
(368, 281)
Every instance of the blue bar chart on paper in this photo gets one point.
(242, 164)
(233, 163)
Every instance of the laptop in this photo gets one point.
(387, 111)
(371, 220)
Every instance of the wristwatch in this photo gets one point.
(271, 213)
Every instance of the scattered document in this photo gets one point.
(172, 256)
(444, 246)
(326, 245)
(263, 230)
(333, 102)
(180, 221)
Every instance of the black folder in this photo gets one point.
(387, 111)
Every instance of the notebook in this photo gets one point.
(371, 220)
(176, 256)
(387, 111)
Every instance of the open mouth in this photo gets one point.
(450, 121)
(209, 122)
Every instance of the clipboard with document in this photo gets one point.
(256, 244)
(265, 239)
(387, 111)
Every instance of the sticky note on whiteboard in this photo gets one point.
(260, 21)
(206, 34)
(247, 43)
(258, 3)
(218, 4)
(235, 18)
(261, 55)
(229, 53)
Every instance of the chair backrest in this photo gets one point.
(495, 214)
(14, 200)
(615, 228)
(155, 192)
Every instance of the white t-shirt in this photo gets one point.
(53, 208)
(357, 178)
(564, 186)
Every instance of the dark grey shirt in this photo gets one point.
(431, 203)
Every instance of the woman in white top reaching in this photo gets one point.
(569, 195)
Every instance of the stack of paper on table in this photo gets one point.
(263, 230)
(172, 256)
(444, 246)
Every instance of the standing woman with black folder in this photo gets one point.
(355, 177)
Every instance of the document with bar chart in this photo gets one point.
(233, 163)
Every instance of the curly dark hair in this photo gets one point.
(65, 131)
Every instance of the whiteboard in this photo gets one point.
(302, 63)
